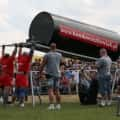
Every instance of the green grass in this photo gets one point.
(69, 111)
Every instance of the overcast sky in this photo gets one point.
(16, 15)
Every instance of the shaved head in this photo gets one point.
(103, 52)
(53, 46)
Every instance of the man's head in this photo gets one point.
(118, 60)
(25, 54)
(36, 60)
(53, 46)
(103, 52)
(6, 55)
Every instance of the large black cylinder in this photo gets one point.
(73, 36)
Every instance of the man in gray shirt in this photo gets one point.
(51, 62)
(104, 78)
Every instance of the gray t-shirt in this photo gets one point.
(104, 65)
(53, 63)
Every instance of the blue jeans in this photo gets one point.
(104, 85)
(53, 82)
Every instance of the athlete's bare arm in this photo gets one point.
(15, 50)
(3, 50)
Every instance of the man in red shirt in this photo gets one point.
(23, 68)
(1, 85)
(7, 71)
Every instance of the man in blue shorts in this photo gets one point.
(104, 78)
(51, 62)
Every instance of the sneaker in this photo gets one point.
(58, 106)
(102, 104)
(22, 105)
(51, 107)
(108, 103)
(1, 100)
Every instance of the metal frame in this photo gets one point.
(8, 45)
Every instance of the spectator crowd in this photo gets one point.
(73, 73)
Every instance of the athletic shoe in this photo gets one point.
(51, 107)
(22, 105)
(108, 103)
(1, 100)
(58, 106)
(102, 104)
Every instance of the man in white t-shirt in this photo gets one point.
(76, 78)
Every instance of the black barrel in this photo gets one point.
(73, 36)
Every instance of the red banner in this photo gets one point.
(89, 38)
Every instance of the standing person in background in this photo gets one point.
(104, 78)
(36, 77)
(1, 83)
(76, 74)
(23, 69)
(118, 63)
(70, 77)
(51, 62)
(118, 76)
(7, 72)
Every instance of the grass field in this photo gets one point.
(69, 111)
